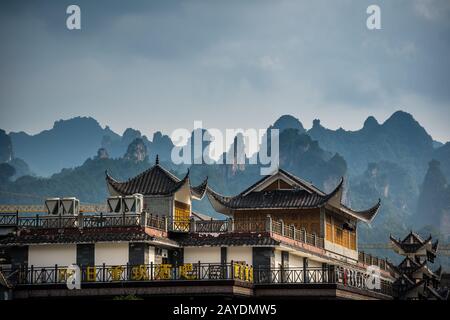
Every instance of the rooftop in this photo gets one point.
(153, 182)
(282, 190)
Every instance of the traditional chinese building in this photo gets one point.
(163, 192)
(414, 277)
(298, 205)
(282, 237)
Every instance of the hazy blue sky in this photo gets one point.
(160, 65)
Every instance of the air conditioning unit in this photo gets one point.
(115, 204)
(63, 206)
(133, 203)
(70, 206)
(53, 206)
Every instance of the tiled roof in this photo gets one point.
(413, 242)
(199, 191)
(303, 195)
(200, 216)
(154, 181)
(242, 239)
(414, 266)
(276, 199)
(300, 182)
(272, 199)
(366, 215)
(34, 236)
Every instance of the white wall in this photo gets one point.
(49, 255)
(184, 194)
(277, 258)
(295, 261)
(151, 255)
(111, 253)
(340, 250)
(203, 254)
(240, 254)
(314, 264)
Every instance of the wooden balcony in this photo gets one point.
(370, 260)
(148, 220)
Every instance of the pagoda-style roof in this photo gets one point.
(409, 288)
(415, 244)
(282, 190)
(410, 266)
(156, 181)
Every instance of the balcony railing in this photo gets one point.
(163, 223)
(83, 221)
(368, 259)
(128, 273)
(8, 219)
(346, 277)
(301, 235)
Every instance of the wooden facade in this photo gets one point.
(308, 219)
(337, 234)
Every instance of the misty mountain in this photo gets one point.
(161, 145)
(400, 139)
(86, 182)
(387, 161)
(304, 157)
(69, 143)
(117, 145)
(137, 151)
(21, 168)
(395, 187)
(298, 153)
(442, 154)
(6, 151)
(288, 122)
(13, 168)
(433, 206)
(437, 144)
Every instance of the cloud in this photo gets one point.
(432, 9)
(162, 65)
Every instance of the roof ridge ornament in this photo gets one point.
(157, 160)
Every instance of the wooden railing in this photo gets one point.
(368, 259)
(250, 225)
(291, 232)
(212, 226)
(156, 222)
(146, 219)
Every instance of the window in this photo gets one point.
(181, 216)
